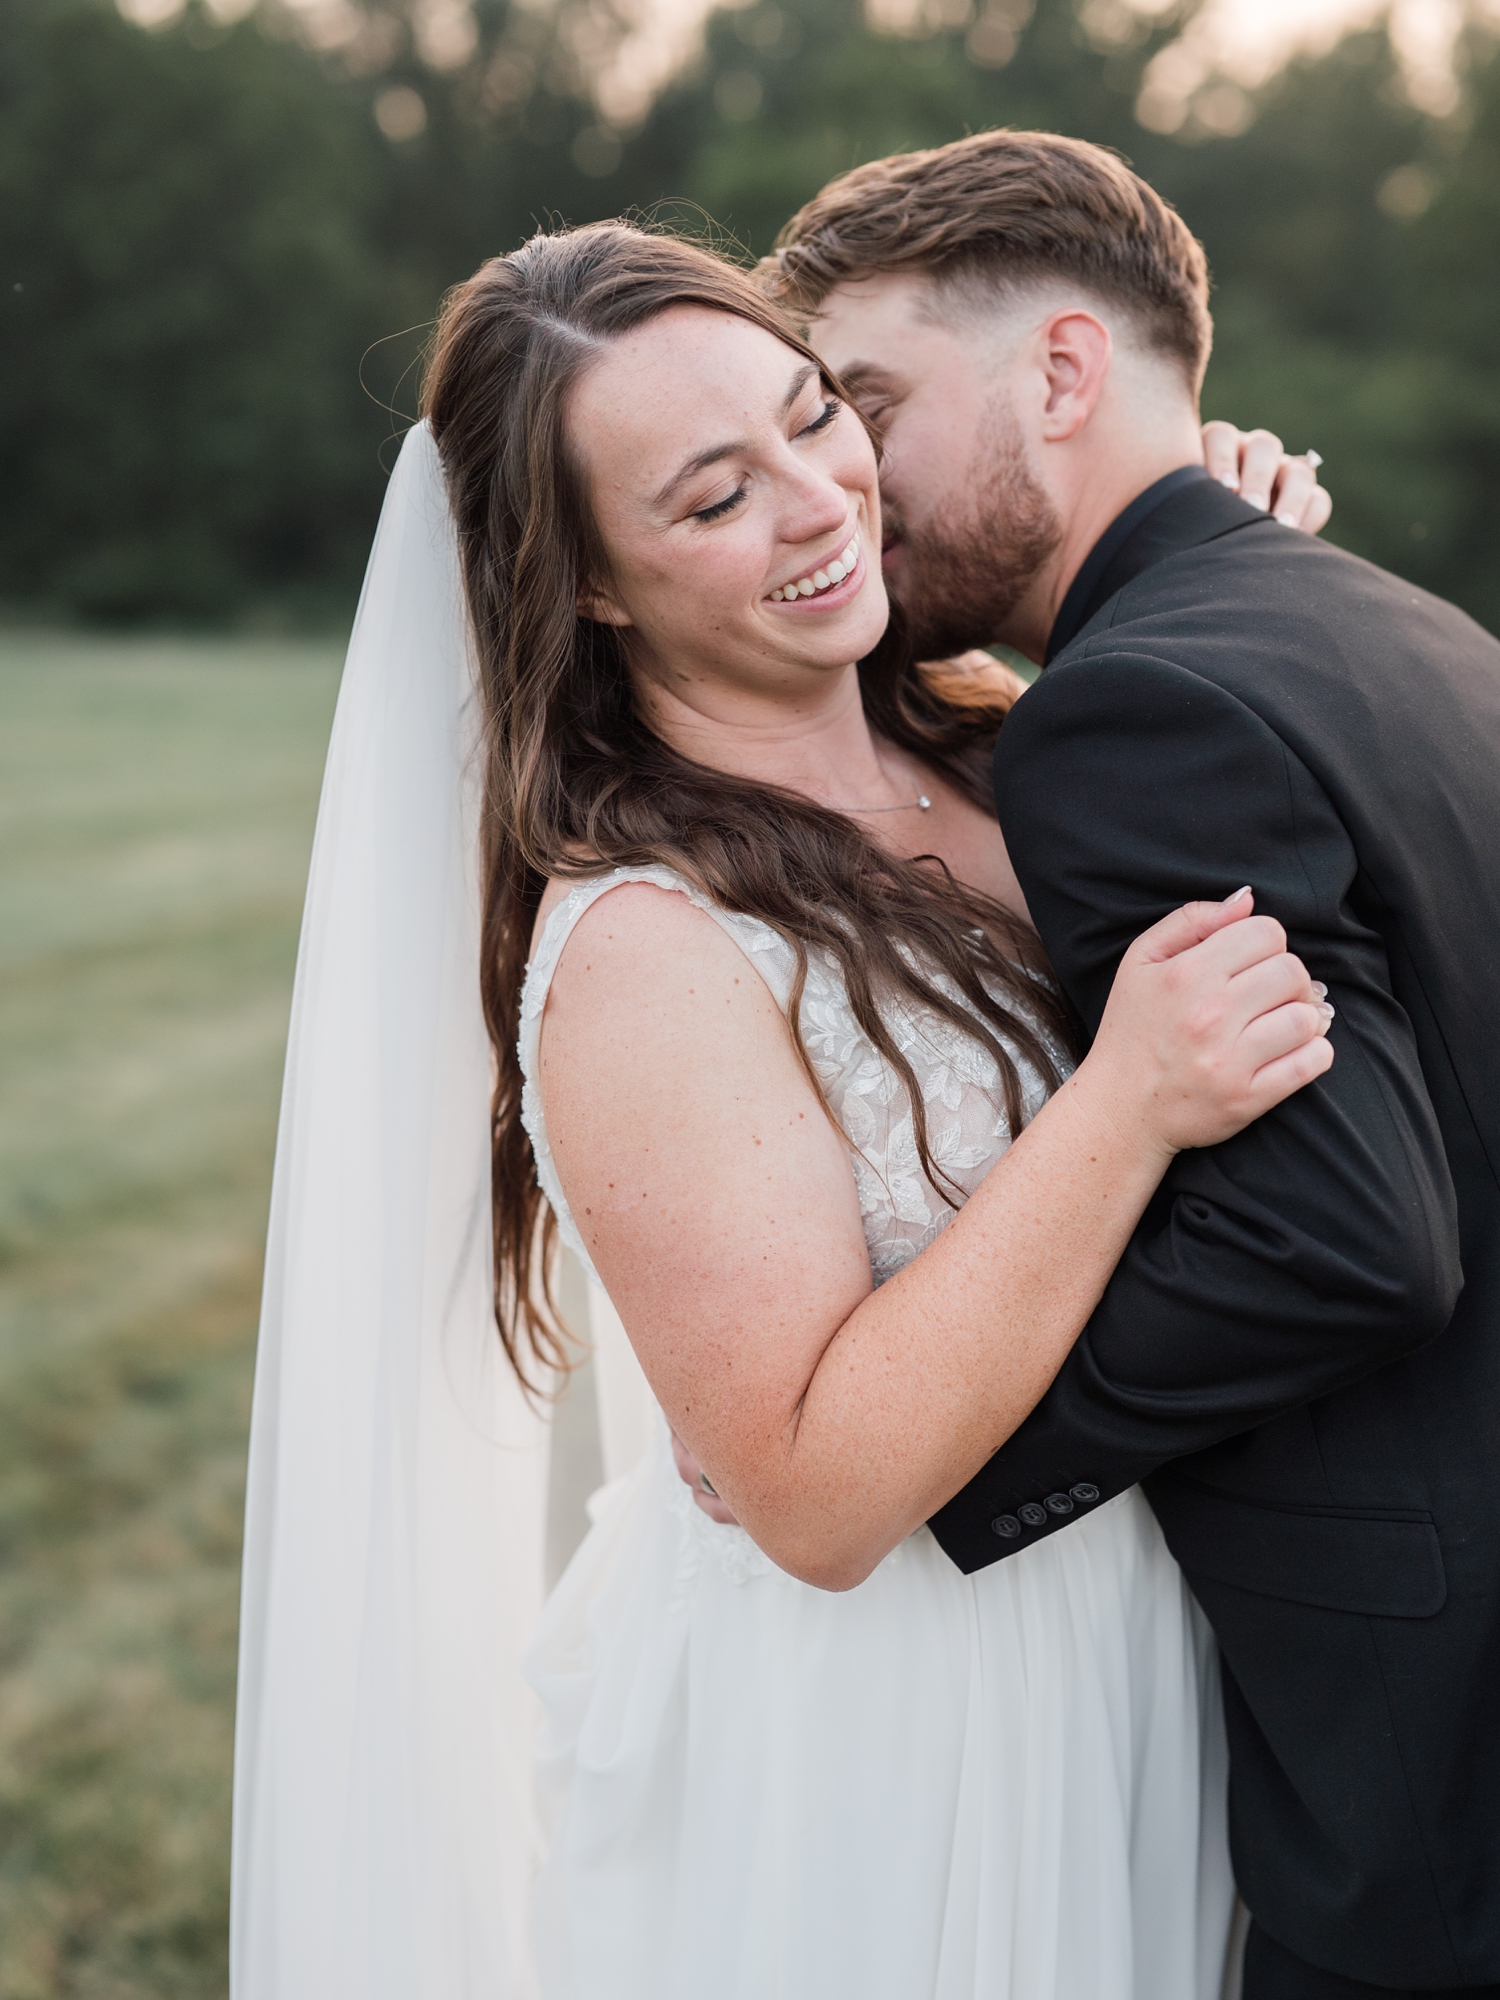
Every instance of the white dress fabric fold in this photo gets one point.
(933, 1787)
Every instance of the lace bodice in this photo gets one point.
(967, 1130)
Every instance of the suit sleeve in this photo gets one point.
(1315, 1246)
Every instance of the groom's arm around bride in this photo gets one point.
(1322, 1243)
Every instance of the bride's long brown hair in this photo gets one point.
(571, 768)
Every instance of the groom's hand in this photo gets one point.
(1255, 465)
(692, 1477)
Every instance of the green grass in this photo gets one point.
(156, 808)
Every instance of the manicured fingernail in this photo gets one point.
(1320, 989)
(1289, 520)
(1236, 896)
(1326, 1011)
(1231, 480)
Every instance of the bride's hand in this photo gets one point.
(1210, 1023)
(691, 1474)
(1254, 465)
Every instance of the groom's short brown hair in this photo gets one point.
(1001, 209)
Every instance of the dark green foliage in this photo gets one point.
(1368, 333)
(209, 232)
(833, 95)
(186, 222)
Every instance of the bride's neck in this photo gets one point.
(818, 743)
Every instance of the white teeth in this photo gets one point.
(821, 579)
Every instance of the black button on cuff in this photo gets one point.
(1059, 1503)
(1006, 1526)
(1034, 1515)
(1084, 1493)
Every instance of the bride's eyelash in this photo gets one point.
(819, 423)
(720, 506)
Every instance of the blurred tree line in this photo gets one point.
(220, 246)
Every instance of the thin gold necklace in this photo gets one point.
(921, 803)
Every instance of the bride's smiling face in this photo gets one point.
(738, 505)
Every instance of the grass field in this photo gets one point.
(156, 807)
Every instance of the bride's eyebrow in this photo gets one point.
(702, 459)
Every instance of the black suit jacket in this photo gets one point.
(1300, 1351)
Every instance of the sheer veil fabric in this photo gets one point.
(384, 1825)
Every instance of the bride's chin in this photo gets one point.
(842, 646)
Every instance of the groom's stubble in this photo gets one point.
(961, 577)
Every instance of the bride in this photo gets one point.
(778, 1056)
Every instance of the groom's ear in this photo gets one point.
(1076, 350)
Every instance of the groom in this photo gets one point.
(1300, 1353)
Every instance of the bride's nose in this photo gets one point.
(816, 506)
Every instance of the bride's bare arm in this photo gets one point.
(719, 1207)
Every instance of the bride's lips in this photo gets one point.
(831, 599)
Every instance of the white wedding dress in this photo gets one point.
(933, 1787)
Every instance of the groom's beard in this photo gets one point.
(962, 580)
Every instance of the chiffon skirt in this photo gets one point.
(934, 1787)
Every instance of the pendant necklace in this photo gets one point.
(921, 803)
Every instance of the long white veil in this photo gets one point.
(384, 1830)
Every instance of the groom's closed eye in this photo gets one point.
(873, 391)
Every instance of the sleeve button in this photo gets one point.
(1006, 1526)
(1059, 1503)
(1084, 1493)
(1033, 1514)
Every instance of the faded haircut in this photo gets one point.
(995, 214)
